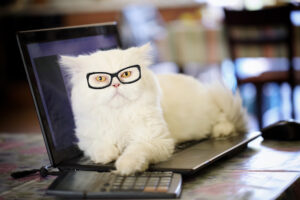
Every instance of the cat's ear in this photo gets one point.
(146, 54)
(69, 64)
(146, 49)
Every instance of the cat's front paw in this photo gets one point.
(130, 164)
(105, 154)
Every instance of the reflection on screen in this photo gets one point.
(53, 83)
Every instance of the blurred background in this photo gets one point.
(195, 37)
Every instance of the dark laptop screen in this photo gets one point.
(50, 84)
(53, 82)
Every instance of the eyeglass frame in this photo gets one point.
(112, 75)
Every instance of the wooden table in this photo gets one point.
(265, 170)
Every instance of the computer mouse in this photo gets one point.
(285, 130)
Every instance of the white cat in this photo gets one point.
(135, 117)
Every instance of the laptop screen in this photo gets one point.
(50, 84)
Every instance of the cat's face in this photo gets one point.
(113, 78)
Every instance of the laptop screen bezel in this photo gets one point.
(37, 36)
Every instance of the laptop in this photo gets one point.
(50, 89)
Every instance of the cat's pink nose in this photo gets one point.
(116, 85)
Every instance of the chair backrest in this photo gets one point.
(272, 17)
(277, 15)
(261, 21)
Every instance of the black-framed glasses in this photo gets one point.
(101, 80)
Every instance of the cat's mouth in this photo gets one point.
(116, 94)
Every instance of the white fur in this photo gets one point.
(195, 111)
(143, 123)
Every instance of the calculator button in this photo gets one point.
(153, 181)
(147, 174)
(126, 187)
(163, 185)
(150, 189)
(166, 179)
(162, 189)
(139, 187)
(128, 182)
(115, 187)
(167, 174)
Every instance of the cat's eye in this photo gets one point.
(100, 78)
(126, 74)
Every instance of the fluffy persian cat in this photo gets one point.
(125, 113)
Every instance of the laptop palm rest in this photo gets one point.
(204, 153)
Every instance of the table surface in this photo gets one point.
(264, 170)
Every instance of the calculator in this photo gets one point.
(91, 184)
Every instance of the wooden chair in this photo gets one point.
(262, 20)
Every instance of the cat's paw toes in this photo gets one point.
(130, 164)
(105, 155)
(223, 129)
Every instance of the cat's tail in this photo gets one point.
(233, 118)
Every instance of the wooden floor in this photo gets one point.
(17, 110)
